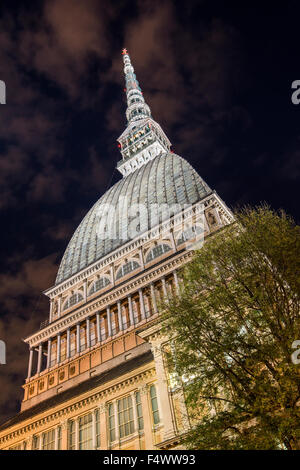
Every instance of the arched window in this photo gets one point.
(127, 268)
(157, 251)
(99, 284)
(189, 234)
(72, 300)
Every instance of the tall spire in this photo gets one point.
(136, 106)
(143, 138)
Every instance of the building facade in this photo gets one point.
(97, 374)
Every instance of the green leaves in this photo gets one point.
(235, 320)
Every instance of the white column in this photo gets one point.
(142, 258)
(85, 290)
(162, 392)
(116, 420)
(108, 320)
(112, 274)
(78, 338)
(153, 297)
(120, 316)
(88, 333)
(173, 240)
(176, 281)
(56, 438)
(104, 436)
(59, 306)
(39, 364)
(135, 419)
(142, 305)
(148, 435)
(51, 310)
(68, 343)
(41, 441)
(163, 280)
(130, 310)
(30, 363)
(49, 353)
(94, 433)
(98, 327)
(58, 348)
(76, 433)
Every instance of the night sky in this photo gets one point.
(217, 76)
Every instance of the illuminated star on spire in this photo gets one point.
(124, 51)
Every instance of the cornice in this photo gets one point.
(79, 404)
(104, 301)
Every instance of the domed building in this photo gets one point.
(97, 378)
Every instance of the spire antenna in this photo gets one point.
(143, 138)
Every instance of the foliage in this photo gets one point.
(233, 325)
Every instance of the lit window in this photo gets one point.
(63, 349)
(19, 446)
(72, 300)
(48, 440)
(82, 339)
(93, 333)
(85, 440)
(127, 268)
(99, 284)
(154, 405)
(139, 411)
(71, 435)
(72, 344)
(189, 234)
(36, 443)
(125, 417)
(111, 423)
(157, 251)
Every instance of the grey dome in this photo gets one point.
(167, 179)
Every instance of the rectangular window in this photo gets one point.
(48, 440)
(71, 435)
(113, 323)
(139, 411)
(103, 329)
(111, 422)
(72, 344)
(124, 317)
(36, 443)
(17, 447)
(135, 311)
(82, 339)
(125, 417)
(93, 333)
(63, 349)
(53, 354)
(86, 432)
(154, 405)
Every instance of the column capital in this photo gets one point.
(103, 407)
(143, 389)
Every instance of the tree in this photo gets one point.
(233, 325)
